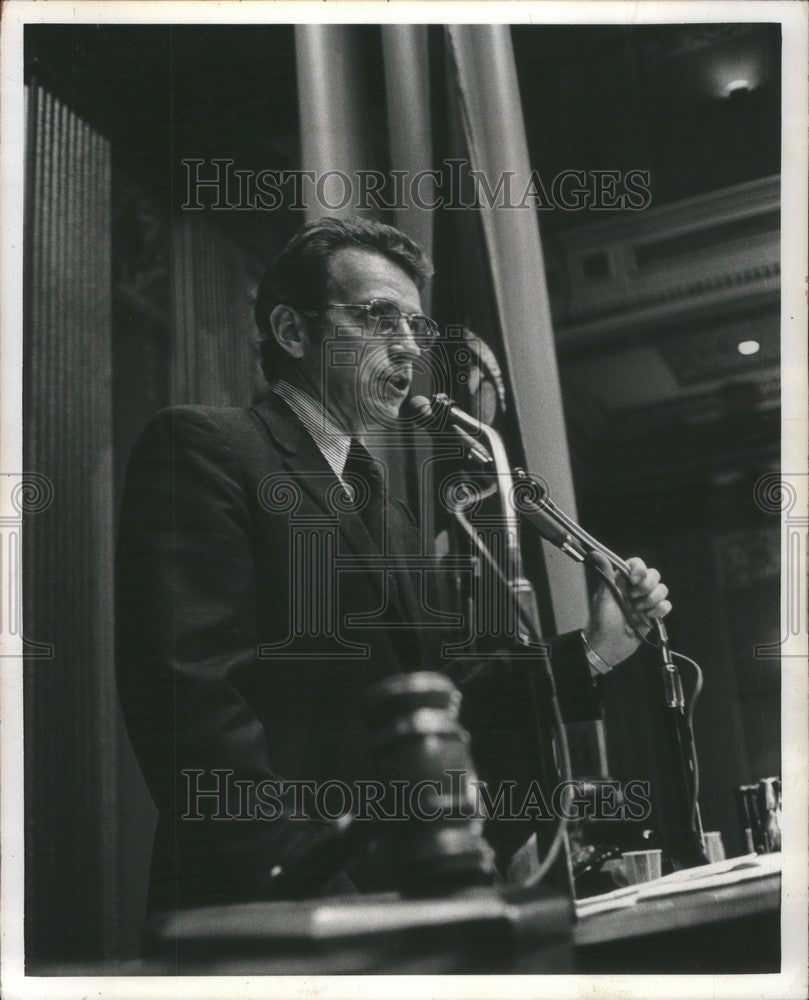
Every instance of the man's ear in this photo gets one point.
(289, 330)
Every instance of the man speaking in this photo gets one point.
(221, 676)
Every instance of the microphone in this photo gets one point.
(421, 408)
(440, 405)
(550, 529)
(417, 408)
(441, 411)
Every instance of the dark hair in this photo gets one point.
(299, 275)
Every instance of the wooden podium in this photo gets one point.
(719, 929)
(722, 929)
(727, 929)
(472, 932)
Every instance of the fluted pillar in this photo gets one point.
(70, 702)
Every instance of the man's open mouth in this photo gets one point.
(399, 381)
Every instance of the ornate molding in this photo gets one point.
(665, 263)
(738, 280)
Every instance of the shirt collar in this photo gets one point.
(332, 440)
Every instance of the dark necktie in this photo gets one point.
(363, 475)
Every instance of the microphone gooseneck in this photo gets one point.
(419, 408)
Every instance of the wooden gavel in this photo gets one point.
(421, 754)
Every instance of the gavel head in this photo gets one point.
(421, 754)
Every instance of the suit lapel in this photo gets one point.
(309, 469)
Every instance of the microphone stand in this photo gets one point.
(531, 498)
(520, 591)
(520, 492)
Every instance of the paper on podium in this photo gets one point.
(714, 876)
(721, 873)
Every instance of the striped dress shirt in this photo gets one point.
(332, 441)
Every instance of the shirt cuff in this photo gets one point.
(598, 666)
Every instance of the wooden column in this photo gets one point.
(70, 700)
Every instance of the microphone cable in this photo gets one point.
(630, 617)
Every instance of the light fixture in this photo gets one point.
(748, 347)
(737, 86)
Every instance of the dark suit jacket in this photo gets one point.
(218, 506)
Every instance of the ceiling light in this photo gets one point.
(737, 86)
(748, 347)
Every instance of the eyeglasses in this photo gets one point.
(387, 319)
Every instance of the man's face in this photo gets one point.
(363, 378)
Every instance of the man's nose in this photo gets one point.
(404, 344)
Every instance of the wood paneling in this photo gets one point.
(214, 344)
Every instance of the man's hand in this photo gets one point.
(608, 632)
